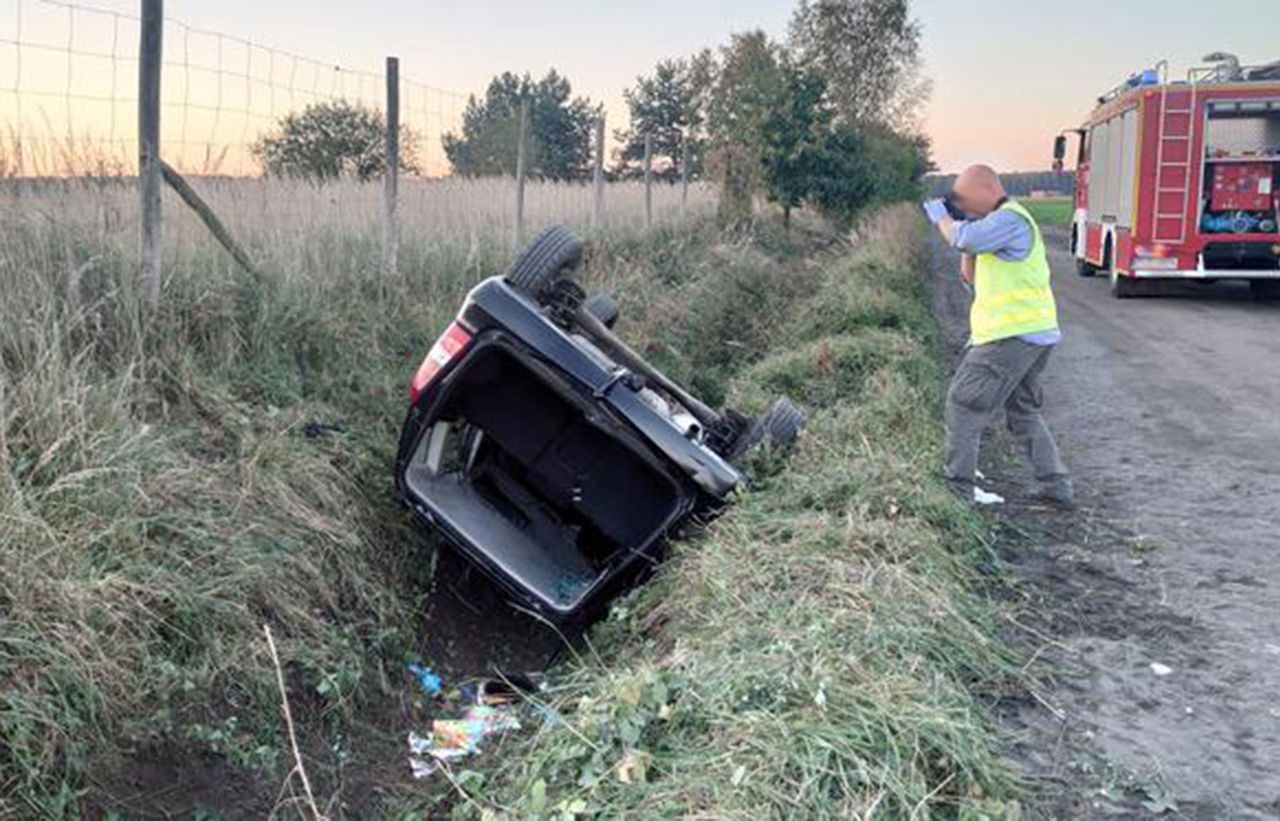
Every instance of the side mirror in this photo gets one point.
(1060, 147)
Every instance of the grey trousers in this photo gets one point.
(1007, 374)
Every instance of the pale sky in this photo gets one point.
(1007, 74)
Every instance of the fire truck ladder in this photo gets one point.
(1173, 164)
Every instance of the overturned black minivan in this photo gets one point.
(550, 454)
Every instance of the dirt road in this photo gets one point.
(1161, 591)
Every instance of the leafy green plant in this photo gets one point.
(240, 747)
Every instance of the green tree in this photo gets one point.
(329, 140)
(865, 165)
(749, 85)
(869, 53)
(664, 105)
(795, 136)
(559, 140)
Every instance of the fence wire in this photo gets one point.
(68, 95)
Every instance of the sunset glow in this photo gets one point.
(1006, 76)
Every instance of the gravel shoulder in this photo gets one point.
(1151, 610)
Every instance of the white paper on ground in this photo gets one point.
(983, 497)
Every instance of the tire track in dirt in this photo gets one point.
(1168, 412)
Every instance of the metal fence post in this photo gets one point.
(648, 181)
(149, 61)
(597, 200)
(517, 230)
(391, 174)
(686, 159)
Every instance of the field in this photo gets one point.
(161, 498)
(1051, 212)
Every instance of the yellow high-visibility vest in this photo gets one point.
(1012, 298)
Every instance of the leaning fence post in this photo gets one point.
(149, 61)
(517, 230)
(597, 201)
(391, 174)
(686, 159)
(194, 201)
(648, 181)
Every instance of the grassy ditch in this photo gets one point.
(820, 651)
(163, 491)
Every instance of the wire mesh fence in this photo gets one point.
(68, 95)
(71, 110)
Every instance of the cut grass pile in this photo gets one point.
(821, 650)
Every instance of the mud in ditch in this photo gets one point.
(467, 631)
(1149, 612)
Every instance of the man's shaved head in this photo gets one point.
(978, 190)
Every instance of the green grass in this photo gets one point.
(821, 651)
(1054, 212)
(821, 646)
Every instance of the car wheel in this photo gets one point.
(604, 308)
(545, 260)
(1264, 289)
(779, 427)
(783, 422)
(1084, 269)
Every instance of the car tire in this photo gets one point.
(545, 260)
(1264, 289)
(783, 422)
(604, 308)
(779, 427)
(1085, 269)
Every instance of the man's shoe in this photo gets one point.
(1062, 497)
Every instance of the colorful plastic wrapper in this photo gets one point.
(454, 738)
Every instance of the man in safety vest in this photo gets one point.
(1013, 327)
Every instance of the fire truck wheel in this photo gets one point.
(1084, 269)
(1123, 287)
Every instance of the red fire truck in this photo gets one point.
(1181, 179)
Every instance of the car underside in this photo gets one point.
(550, 454)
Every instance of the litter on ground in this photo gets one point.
(984, 497)
(429, 680)
(1160, 669)
(454, 738)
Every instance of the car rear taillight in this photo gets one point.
(450, 344)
